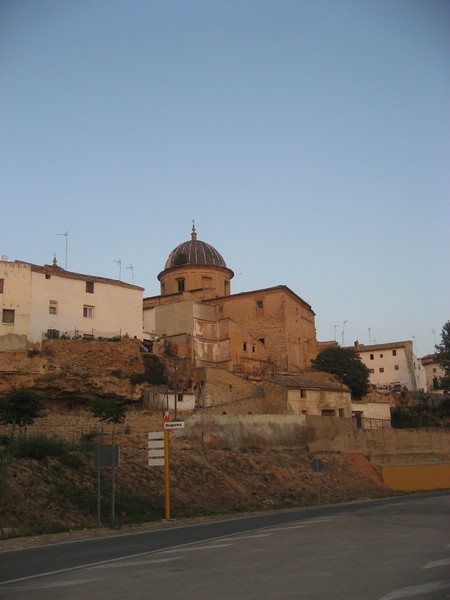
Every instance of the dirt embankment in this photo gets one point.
(49, 496)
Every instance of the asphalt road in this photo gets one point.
(378, 550)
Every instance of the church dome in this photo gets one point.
(194, 252)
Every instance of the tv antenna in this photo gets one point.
(119, 262)
(66, 235)
(132, 272)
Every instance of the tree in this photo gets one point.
(106, 410)
(20, 408)
(347, 365)
(442, 357)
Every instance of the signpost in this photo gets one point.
(158, 453)
(317, 466)
(107, 456)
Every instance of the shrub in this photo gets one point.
(39, 446)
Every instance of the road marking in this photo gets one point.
(437, 563)
(318, 521)
(209, 547)
(246, 537)
(58, 584)
(416, 590)
(132, 563)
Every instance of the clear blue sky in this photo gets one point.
(309, 140)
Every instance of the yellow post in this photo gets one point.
(166, 473)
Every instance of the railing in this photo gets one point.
(369, 423)
(78, 334)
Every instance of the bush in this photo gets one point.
(39, 446)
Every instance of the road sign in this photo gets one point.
(174, 425)
(155, 448)
(317, 465)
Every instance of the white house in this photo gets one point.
(48, 301)
(432, 372)
(393, 366)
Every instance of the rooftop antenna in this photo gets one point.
(433, 331)
(119, 262)
(342, 332)
(335, 332)
(66, 235)
(132, 272)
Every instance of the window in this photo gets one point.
(53, 307)
(434, 370)
(179, 397)
(225, 288)
(48, 276)
(244, 346)
(302, 393)
(394, 352)
(396, 367)
(381, 356)
(371, 357)
(8, 316)
(253, 349)
(89, 287)
(88, 312)
(262, 340)
(180, 284)
(2, 283)
(207, 282)
(260, 304)
(52, 334)
(341, 412)
(371, 370)
(381, 370)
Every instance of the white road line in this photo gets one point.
(132, 563)
(247, 537)
(416, 590)
(318, 521)
(437, 563)
(195, 548)
(58, 584)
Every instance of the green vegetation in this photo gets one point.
(108, 411)
(443, 358)
(154, 371)
(20, 408)
(347, 365)
(424, 414)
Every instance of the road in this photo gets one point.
(377, 550)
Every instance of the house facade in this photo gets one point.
(49, 302)
(393, 366)
(433, 372)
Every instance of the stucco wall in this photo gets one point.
(410, 478)
(245, 431)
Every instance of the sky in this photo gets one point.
(309, 140)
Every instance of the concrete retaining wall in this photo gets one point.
(262, 431)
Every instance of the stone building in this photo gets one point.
(255, 332)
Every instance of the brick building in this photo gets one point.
(254, 332)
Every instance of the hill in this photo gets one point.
(59, 493)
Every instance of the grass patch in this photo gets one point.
(39, 446)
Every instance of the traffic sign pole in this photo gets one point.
(166, 474)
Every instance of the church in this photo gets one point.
(255, 333)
